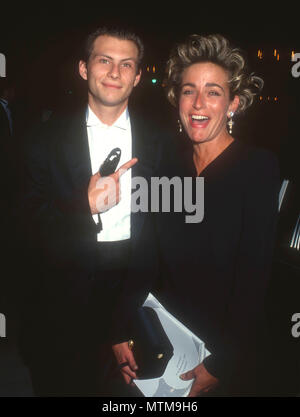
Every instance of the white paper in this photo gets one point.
(189, 351)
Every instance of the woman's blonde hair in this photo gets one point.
(215, 49)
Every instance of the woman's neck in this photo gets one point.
(204, 153)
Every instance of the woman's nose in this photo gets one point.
(198, 102)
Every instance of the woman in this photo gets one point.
(216, 271)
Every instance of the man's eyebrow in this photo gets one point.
(129, 59)
(109, 57)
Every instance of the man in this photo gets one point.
(6, 97)
(88, 244)
(8, 166)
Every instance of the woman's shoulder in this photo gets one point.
(255, 159)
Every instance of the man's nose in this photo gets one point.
(114, 71)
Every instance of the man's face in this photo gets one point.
(111, 71)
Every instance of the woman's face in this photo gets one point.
(204, 101)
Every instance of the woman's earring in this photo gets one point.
(180, 125)
(230, 122)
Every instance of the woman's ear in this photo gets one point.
(233, 106)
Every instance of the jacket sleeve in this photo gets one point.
(45, 216)
(246, 307)
(55, 234)
(144, 268)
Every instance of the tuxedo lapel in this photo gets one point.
(4, 124)
(77, 163)
(145, 150)
(76, 150)
(74, 140)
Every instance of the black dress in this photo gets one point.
(216, 272)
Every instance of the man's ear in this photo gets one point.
(137, 78)
(82, 69)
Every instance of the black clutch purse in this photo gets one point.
(151, 346)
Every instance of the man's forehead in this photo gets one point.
(110, 45)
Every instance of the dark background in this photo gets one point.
(42, 45)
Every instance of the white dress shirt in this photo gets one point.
(102, 139)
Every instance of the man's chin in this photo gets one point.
(113, 102)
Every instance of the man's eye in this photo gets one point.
(187, 92)
(127, 65)
(103, 61)
(213, 93)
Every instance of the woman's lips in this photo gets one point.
(198, 122)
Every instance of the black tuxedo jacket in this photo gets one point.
(61, 233)
(4, 123)
(5, 142)
(8, 183)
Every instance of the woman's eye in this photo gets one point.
(213, 93)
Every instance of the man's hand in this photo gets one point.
(124, 355)
(204, 381)
(104, 192)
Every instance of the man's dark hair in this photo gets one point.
(119, 33)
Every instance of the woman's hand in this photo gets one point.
(204, 381)
(125, 356)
